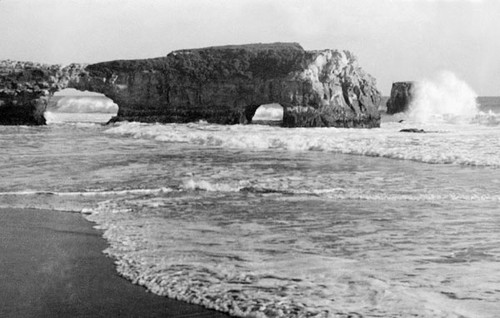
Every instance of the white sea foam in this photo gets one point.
(445, 143)
(90, 192)
(76, 118)
(259, 266)
(192, 184)
(293, 191)
(252, 263)
(290, 194)
(488, 118)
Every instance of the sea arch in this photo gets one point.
(223, 85)
(268, 114)
(71, 105)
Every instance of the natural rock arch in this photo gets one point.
(70, 105)
(268, 114)
(223, 85)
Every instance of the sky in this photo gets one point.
(394, 40)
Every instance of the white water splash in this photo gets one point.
(445, 98)
(269, 112)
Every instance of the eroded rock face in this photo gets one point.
(402, 94)
(226, 85)
(333, 92)
(25, 88)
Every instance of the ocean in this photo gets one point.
(264, 221)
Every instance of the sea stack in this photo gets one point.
(223, 85)
(401, 96)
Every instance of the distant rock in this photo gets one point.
(402, 94)
(223, 85)
(413, 130)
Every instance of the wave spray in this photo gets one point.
(443, 98)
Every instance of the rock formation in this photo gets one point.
(25, 88)
(223, 85)
(401, 96)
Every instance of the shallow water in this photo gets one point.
(264, 221)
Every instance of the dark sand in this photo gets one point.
(51, 265)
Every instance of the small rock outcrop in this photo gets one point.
(223, 85)
(402, 94)
(413, 130)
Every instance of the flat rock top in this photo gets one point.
(249, 47)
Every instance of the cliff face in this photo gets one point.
(401, 96)
(25, 88)
(226, 85)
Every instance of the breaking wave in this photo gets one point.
(444, 98)
(80, 119)
(271, 270)
(85, 104)
(269, 112)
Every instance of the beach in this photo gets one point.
(52, 265)
(250, 159)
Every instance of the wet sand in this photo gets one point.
(52, 265)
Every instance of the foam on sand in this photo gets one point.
(252, 265)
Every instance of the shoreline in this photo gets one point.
(52, 265)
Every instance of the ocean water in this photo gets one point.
(263, 221)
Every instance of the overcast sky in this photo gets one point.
(394, 40)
